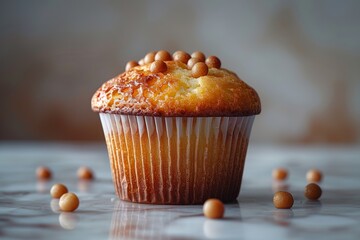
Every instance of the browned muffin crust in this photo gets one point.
(176, 92)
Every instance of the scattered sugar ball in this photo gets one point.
(158, 66)
(192, 62)
(313, 191)
(43, 173)
(213, 208)
(283, 200)
(130, 65)
(69, 202)
(181, 56)
(57, 190)
(149, 58)
(199, 55)
(314, 175)
(199, 69)
(85, 173)
(279, 174)
(213, 62)
(163, 56)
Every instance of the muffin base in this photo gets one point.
(176, 160)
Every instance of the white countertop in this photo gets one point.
(27, 211)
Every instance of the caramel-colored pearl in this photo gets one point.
(181, 56)
(312, 191)
(313, 175)
(192, 62)
(213, 208)
(149, 58)
(141, 62)
(280, 174)
(199, 69)
(213, 62)
(85, 173)
(283, 200)
(130, 65)
(43, 173)
(199, 55)
(163, 56)
(57, 190)
(158, 66)
(69, 202)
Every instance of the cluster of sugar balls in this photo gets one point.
(68, 201)
(197, 62)
(283, 199)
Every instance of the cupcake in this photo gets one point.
(177, 128)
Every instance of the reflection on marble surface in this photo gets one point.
(27, 211)
(68, 220)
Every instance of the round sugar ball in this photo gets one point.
(85, 173)
(199, 69)
(158, 66)
(199, 55)
(57, 190)
(314, 175)
(43, 173)
(313, 191)
(69, 202)
(279, 174)
(283, 200)
(213, 208)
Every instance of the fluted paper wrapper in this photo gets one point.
(176, 160)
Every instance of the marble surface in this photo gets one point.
(27, 211)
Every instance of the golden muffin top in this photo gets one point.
(178, 85)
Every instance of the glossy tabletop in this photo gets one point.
(28, 212)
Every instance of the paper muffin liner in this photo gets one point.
(176, 160)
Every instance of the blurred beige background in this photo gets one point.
(303, 58)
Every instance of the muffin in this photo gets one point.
(176, 128)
